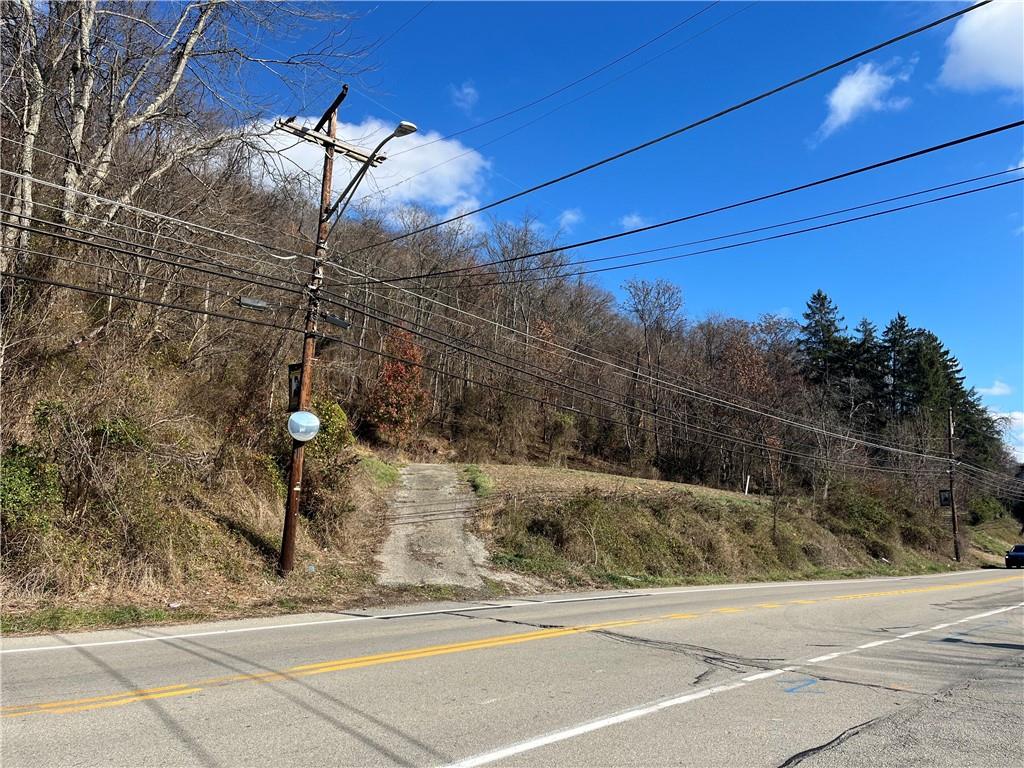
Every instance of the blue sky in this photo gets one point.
(955, 267)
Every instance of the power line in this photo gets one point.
(153, 214)
(753, 230)
(515, 364)
(147, 257)
(152, 248)
(556, 382)
(688, 127)
(620, 371)
(699, 395)
(548, 113)
(576, 356)
(209, 313)
(720, 209)
(398, 29)
(151, 302)
(563, 88)
(103, 222)
(148, 278)
(744, 243)
(498, 325)
(576, 353)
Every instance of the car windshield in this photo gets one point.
(1018, 548)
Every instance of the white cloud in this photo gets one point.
(998, 389)
(464, 96)
(569, 218)
(986, 50)
(448, 189)
(866, 89)
(632, 221)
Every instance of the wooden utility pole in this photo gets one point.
(952, 496)
(291, 514)
(329, 141)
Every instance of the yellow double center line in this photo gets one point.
(337, 665)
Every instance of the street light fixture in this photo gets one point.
(404, 129)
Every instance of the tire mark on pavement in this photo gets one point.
(849, 733)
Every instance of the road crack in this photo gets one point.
(877, 686)
(715, 659)
(849, 733)
(532, 624)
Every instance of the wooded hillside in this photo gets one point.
(140, 205)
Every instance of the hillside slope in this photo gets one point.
(544, 528)
(572, 527)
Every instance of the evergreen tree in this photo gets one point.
(897, 345)
(822, 342)
(935, 376)
(978, 434)
(868, 368)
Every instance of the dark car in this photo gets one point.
(1015, 556)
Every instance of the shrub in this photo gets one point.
(981, 509)
(398, 398)
(334, 435)
(121, 432)
(30, 493)
(560, 433)
(854, 511)
(275, 474)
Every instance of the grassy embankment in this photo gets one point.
(212, 558)
(575, 529)
(561, 528)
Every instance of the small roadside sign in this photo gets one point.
(944, 499)
(294, 385)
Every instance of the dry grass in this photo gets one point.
(559, 527)
(513, 478)
(231, 570)
(580, 528)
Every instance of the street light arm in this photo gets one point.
(350, 188)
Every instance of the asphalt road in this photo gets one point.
(914, 671)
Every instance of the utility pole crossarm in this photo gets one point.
(327, 141)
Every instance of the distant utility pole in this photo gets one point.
(952, 496)
(329, 141)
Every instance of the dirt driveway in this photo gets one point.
(428, 542)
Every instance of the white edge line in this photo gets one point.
(441, 611)
(762, 675)
(594, 725)
(819, 659)
(875, 644)
(648, 709)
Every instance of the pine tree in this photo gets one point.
(935, 376)
(868, 368)
(897, 344)
(822, 343)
